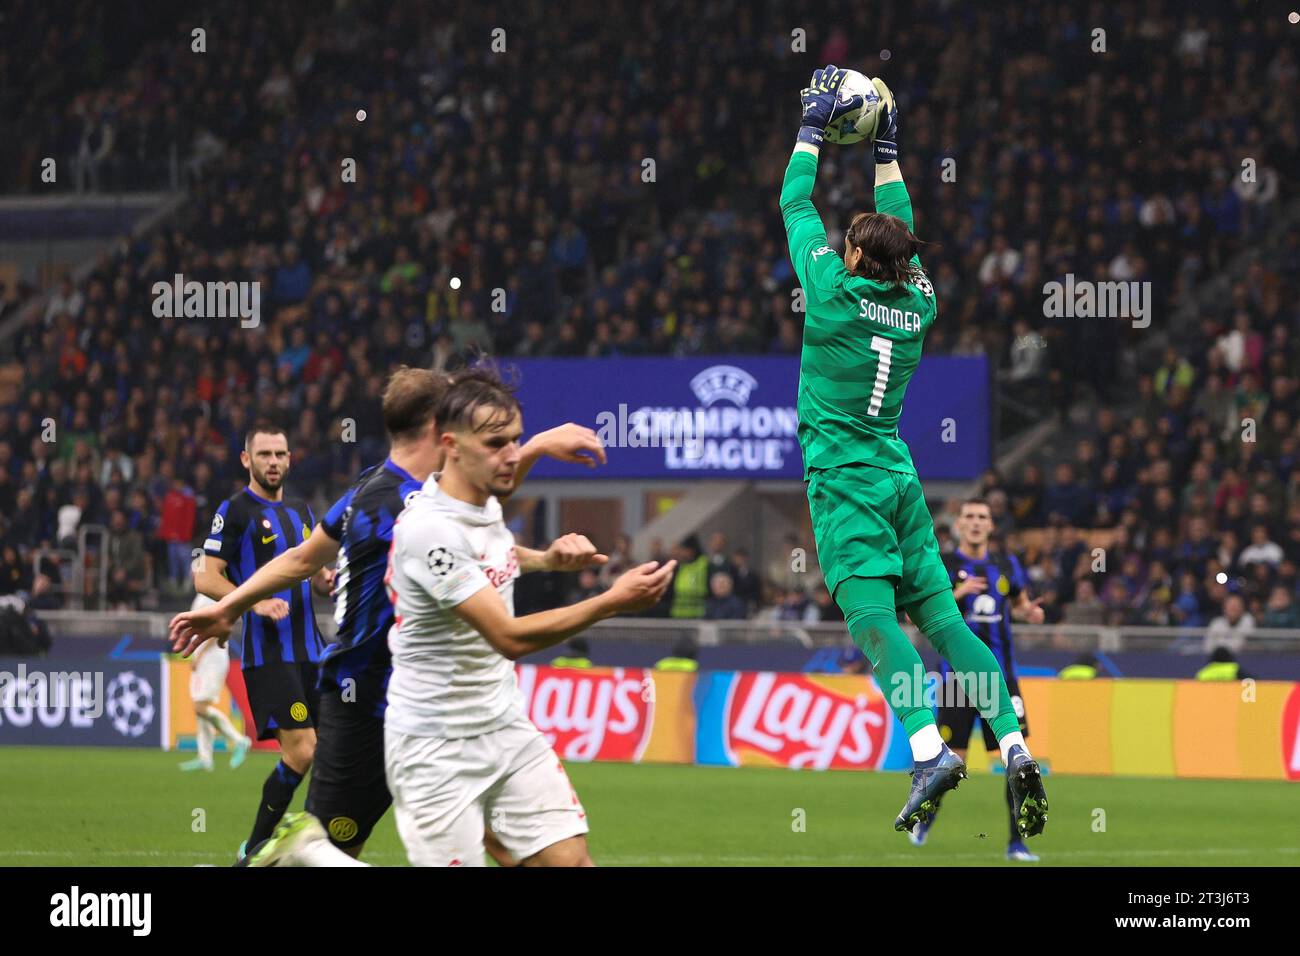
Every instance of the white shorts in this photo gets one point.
(445, 791)
(209, 674)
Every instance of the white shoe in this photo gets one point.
(1019, 853)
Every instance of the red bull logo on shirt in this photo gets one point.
(499, 576)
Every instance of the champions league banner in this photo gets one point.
(735, 416)
(86, 702)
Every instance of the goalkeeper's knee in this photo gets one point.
(939, 619)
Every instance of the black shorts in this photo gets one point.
(956, 723)
(282, 696)
(348, 791)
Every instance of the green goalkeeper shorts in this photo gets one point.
(873, 523)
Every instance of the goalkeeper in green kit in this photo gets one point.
(866, 317)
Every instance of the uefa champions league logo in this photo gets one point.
(721, 432)
(130, 704)
(723, 381)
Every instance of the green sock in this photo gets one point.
(941, 622)
(872, 618)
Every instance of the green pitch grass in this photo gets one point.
(103, 807)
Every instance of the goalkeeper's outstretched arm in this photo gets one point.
(891, 192)
(804, 230)
(816, 265)
(818, 268)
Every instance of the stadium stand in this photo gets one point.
(529, 185)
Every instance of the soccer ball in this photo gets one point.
(860, 124)
(130, 704)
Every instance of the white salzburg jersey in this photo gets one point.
(448, 681)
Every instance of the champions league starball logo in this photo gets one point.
(130, 704)
(722, 432)
(440, 561)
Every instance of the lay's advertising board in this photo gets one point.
(1153, 728)
(1131, 727)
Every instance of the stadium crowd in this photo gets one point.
(622, 201)
(1195, 493)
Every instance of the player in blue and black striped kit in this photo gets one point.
(990, 589)
(282, 644)
(348, 790)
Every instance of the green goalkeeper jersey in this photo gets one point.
(861, 339)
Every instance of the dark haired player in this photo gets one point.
(459, 747)
(282, 644)
(990, 589)
(348, 791)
